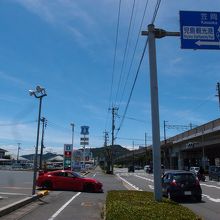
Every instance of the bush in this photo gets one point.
(138, 205)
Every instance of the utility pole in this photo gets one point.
(133, 153)
(154, 33)
(18, 151)
(114, 112)
(72, 156)
(218, 92)
(164, 131)
(44, 124)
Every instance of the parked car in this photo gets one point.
(137, 167)
(131, 169)
(181, 184)
(194, 170)
(146, 168)
(214, 173)
(67, 180)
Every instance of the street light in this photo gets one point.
(39, 93)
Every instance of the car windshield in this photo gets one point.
(184, 177)
(76, 175)
(197, 168)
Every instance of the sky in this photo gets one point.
(83, 53)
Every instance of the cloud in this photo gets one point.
(12, 79)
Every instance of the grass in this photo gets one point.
(137, 205)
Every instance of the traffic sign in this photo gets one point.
(200, 30)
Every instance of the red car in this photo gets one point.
(67, 180)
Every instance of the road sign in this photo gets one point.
(84, 139)
(84, 143)
(200, 30)
(84, 130)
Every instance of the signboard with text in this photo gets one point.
(67, 156)
(200, 30)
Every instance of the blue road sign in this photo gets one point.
(84, 130)
(200, 30)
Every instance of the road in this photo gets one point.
(69, 204)
(208, 208)
(79, 205)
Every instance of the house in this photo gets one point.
(2, 153)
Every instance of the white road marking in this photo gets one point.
(210, 198)
(151, 186)
(144, 178)
(14, 194)
(130, 184)
(63, 207)
(211, 186)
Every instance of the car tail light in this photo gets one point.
(173, 183)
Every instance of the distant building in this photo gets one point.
(2, 153)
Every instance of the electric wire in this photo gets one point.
(125, 51)
(138, 70)
(133, 55)
(114, 60)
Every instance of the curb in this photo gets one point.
(12, 207)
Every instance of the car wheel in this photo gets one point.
(199, 198)
(88, 187)
(47, 185)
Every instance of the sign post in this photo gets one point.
(200, 30)
(84, 141)
(67, 160)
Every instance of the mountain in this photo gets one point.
(101, 152)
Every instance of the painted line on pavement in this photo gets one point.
(144, 178)
(63, 207)
(14, 194)
(130, 184)
(211, 186)
(210, 198)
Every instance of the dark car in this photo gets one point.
(177, 184)
(131, 169)
(67, 180)
(214, 173)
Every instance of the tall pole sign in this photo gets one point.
(84, 140)
(67, 157)
(200, 30)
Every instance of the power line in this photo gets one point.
(113, 68)
(138, 70)
(135, 48)
(125, 51)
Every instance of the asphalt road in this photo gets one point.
(209, 208)
(79, 205)
(68, 204)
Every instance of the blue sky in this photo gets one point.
(67, 46)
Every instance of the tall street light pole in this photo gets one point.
(39, 93)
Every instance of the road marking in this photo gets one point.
(211, 186)
(210, 198)
(144, 178)
(130, 184)
(63, 207)
(151, 186)
(14, 194)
